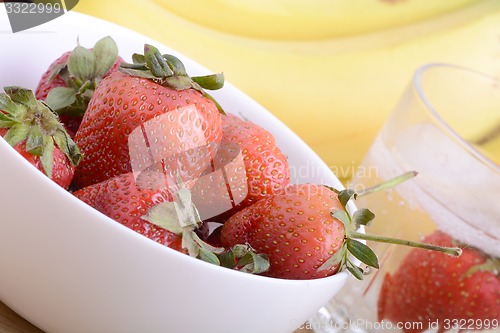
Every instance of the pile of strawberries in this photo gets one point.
(146, 145)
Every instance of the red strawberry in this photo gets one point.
(33, 129)
(431, 287)
(149, 116)
(70, 80)
(249, 166)
(126, 200)
(294, 229)
(145, 204)
(307, 232)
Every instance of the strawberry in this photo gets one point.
(34, 131)
(249, 166)
(149, 115)
(126, 200)
(294, 229)
(442, 290)
(307, 232)
(68, 84)
(144, 203)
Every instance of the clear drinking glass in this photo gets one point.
(446, 127)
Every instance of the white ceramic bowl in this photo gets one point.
(68, 268)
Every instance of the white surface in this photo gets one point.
(67, 268)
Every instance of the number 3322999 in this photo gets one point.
(32, 8)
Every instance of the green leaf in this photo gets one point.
(362, 216)
(6, 121)
(210, 82)
(335, 259)
(254, 263)
(34, 142)
(47, 155)
(239, 250)
(343, 217)
(141, 66)
(204, 245)
(68, 146)
(137, 73)
(346, 195)
(189, 244)
(16, 134)
(21, 95)
(179, 82)
(356, 271)
(9, 108)
(209, 257)
(138, 59)
(106, 53)
(61, 97)
(56, 70)
(156, 63)
(165, 216)
(82, 63)
(362, 252)
(175, 64)
(186, 211)
(227, 259)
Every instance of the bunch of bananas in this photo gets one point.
(332, 70)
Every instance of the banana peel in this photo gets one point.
(333, 90)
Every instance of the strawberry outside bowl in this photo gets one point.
(68, 268)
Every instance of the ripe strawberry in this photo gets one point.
(34, 130)
(249, 166)
(294, 229)
(70, 80)
(126, 200)
(144, 203)
(307, 232)
(431, 287)
(149, 116)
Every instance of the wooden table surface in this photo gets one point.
(10, 322)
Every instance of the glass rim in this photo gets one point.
(417, 83)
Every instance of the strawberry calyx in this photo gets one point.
(168, 70)
(491, 265)
(181, 217)
(242, 257)
(351, 247)
(82, 72)
(28, 119)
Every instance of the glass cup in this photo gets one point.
(446, 127)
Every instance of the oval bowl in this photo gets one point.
(68, 268)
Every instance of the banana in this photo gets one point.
(333, 88)
(292, 20)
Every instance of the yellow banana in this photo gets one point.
(333, 87)
(296, 19)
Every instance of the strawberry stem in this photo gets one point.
(454, 251)
(388, 183)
